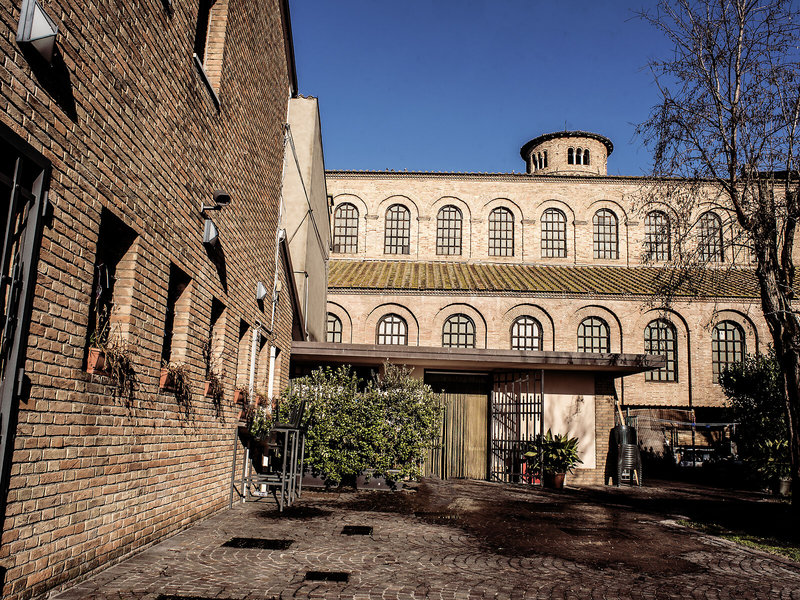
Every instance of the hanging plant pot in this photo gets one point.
(207, 388)
(239, 397)
(165, 381)
(96, 361)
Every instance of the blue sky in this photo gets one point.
(445, 85)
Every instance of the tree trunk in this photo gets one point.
(785, 330)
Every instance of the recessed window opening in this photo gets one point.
(554, 234)
(501, 232)
(334, 332)
(570, 156)
(660, 339)
(448, 231)
(345, 229)
(176, 318)
(209, 41)
(586, 156)
(243, 355)
(397, 233)
(526, 334)
(114, 275)
(458, 332)
(593, 336)
(214, 346)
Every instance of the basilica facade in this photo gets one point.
(561, 258)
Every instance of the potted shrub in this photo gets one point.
(772, 463)
(553, 456)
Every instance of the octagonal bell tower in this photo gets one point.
(567, 153)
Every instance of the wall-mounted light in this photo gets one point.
(261, 291)
(37, 29)
(210, 234)
(221, 200)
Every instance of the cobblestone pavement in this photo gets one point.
(430, 544)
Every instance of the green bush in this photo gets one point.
(386, 425)
(755, 400)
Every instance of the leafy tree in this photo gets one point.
(388, 424)
(727, 125)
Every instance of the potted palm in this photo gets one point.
(552, 457)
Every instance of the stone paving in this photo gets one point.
(429, 555)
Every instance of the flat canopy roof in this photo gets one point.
(472, 359)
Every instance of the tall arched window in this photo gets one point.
(593, 335)
(606, 240)
(448, 231)
(458, 331)
(660, 339)
(501, 232)
(554, 234)
(586, 156)
(570, 156)
(657, 236)
(526, 334)
(709, 241)
(579, 156)
(392, 329)
(545, 159)
(727, 347)
(334, 333)
(397, 233)
(345, 229)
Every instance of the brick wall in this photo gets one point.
(129, 126)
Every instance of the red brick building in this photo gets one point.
(108, 148)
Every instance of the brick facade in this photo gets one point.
(579, 195)
(132, 130)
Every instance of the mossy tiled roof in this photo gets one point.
(509, 278)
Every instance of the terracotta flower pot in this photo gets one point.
(165, 381)
(207, 388)
(96, 361)
(554, 480)
(238, 396)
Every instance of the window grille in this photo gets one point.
(448, 231)
(727, 347)
(526, 334)
(554, 234)
(501, 232)
(660, 339)
(593, 336)
(397, 233)
(710, 242)
(657, 238)
(458, 332)
(606, 243)
(334, 333)
(345, 229)
(392, 329)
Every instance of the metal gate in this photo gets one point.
(24, 176)
(517, 417)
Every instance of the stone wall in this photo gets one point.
(133, 131)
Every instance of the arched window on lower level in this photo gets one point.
(392, 330)
(458, 331)
(727, 347)
(593, 336)
(526, 334)
(334, 333)
(660, 339)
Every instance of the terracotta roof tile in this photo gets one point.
(478, 277)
